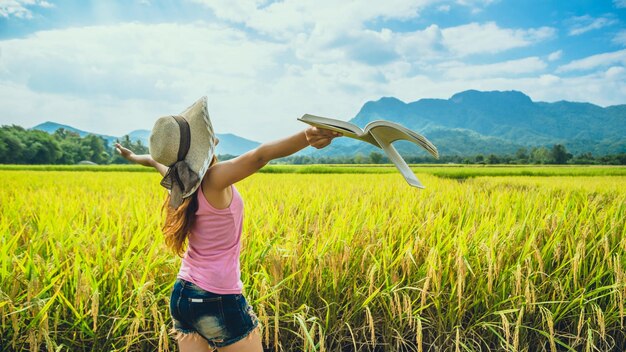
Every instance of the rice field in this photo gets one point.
(483, 259)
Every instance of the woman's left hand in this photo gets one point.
(125, 153)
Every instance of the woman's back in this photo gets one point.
(212, 257)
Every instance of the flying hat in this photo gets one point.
(186, 144)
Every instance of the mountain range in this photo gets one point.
(469, 123)
(499, 122)
(229, 143)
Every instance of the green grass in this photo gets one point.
(446, 171)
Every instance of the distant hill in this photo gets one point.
(50, 127)
(469, 123)
(229, 143)
(473, 122)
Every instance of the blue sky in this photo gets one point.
(115, 66)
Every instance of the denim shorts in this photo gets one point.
(221, 319)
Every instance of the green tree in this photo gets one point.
(72, 149)
(493, 159)
(96, 145)
(360, 159)
(559, 155)
(521, 156)
(42, 148)
(540, 155)
(376, 158)
(11, 146)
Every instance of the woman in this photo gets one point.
(205, 210)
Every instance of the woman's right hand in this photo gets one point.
(320, 137)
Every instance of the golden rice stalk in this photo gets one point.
(418, 335)
(605, 246)
(460, 279)
(538, 257)
(600, 320)
(370, 321)
(33, 340)
(16, 328)
(408, 309)
(547, 317)
(276, 320)
(518, 325)
(398, 305)
(322, 340)
(589, 345)
(518, 280)
(506, 329)
(581, 322)
(163, 339)
(94, 308)
(265, 319)
(372, 280)
(424, 293)
(620, 287)
(490, 270)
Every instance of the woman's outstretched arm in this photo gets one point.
(143, 159)
(225, 173)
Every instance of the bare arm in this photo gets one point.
(225, 173)
(143, 159)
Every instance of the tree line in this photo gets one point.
(556, 155)
(22, 146)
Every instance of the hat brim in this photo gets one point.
(202, 144)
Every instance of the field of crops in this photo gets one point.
(502, 259)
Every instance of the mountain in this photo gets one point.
(50, 127)
(498, 122)
(234, 145)
(229, 143)
(469, 123)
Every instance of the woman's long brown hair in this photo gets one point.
(178, 222)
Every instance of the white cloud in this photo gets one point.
(555, 55)
(595, 61)
(620, 4)
(488, 38)
(615, 72)
(499, 69)
(233, 10)
(289, 18)
(421, 45)
(19, 8)
(418, 47)
(136, 64)
(548, 80)
(583, 24)
(326, 30)
(620, 37)
(476, 6)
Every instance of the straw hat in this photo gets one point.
(185, 143)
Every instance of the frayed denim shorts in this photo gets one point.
(221, 319)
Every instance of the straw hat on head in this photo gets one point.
(185, 143)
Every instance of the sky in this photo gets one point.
(114, 66)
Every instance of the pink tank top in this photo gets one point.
(212, 257)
